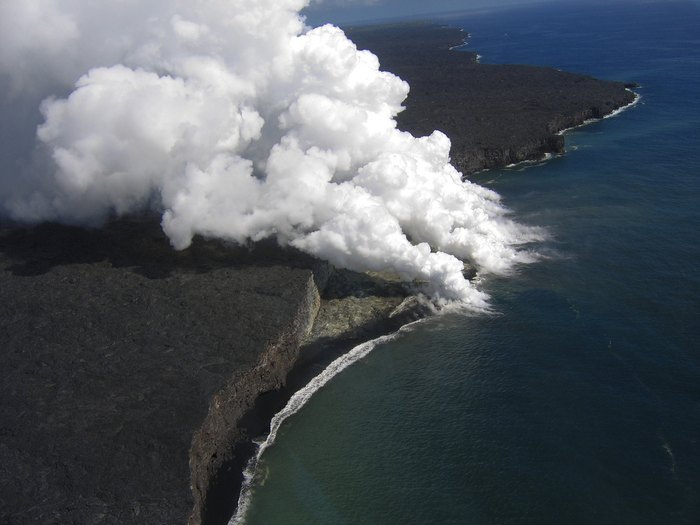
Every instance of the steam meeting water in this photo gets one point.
(579, 402)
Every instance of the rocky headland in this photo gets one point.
(495, 115)
(134, 376)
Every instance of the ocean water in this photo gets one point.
(579, 401)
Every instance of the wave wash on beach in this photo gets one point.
(234, 120)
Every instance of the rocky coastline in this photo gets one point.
(136, 376)
(495, 115)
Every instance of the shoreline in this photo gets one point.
(315, 356)
(549, 156)
(296, 402)
(495, 115)
(254, 450)
(614, 113)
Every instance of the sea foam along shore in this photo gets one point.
(614, 113)
(295, 403)
(550, 156)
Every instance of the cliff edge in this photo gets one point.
(116, 350)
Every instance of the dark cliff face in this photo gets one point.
(347, 308)
(115, 349)
(131, 371)
(214, 443)
(495, 115)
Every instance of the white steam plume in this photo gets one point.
(240, 123)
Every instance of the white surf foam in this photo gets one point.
(532, 162)
(465, 41)
(295, 403)
(637, 98)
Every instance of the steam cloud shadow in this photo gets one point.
(137, 243)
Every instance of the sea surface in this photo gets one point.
(579, 401)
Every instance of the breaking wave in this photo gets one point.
(295, 403)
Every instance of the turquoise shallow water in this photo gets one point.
(579, 402)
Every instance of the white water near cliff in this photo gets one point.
(296, 403)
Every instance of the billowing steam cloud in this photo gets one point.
(236, 121)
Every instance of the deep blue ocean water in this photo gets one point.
(579, 402)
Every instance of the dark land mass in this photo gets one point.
(134, 376)
(495, 115)
(113, 348)
(128, 366)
